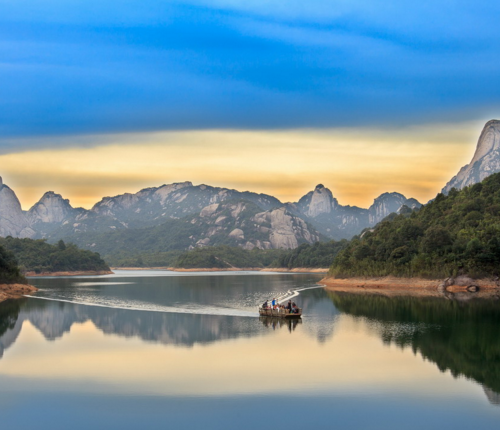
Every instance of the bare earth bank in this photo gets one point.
(392, 286)
(231, 269)
(15, 291)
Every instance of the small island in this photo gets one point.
(40, 258)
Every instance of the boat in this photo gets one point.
(275, 313)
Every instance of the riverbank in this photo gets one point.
(15, 291)
(75, 273)
(392, 286)
(230, 269)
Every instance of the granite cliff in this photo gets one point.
(335, 221)
(51, 208)
(13, 221)
(485, 162)
(215, 216)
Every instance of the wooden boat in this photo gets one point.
(279, 314)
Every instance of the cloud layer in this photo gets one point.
(70, 67)
(357, 165)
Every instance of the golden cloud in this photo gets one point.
(357, 165)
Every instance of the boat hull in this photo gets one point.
(275, 314)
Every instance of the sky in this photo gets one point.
(103, 97)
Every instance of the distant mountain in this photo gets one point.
(388, 203)
(191, 216)
(335, 221)
(13, 221)
(234, 223)
(485, 162)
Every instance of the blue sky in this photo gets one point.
(269, 96)
(108, 66)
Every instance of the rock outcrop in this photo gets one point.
(388, 203)
(287, 231)
(217, 215)
(13, 221)
(244, 224)
(317, 202)
(485, 162)
(335, 221)
(151, 205)
(51, 208)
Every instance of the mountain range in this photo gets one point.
(185, 216)
(203, 214)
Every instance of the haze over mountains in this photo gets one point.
(187, 216)
(207, 215)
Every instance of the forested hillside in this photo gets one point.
(454, 234)
(39, 256)
(9, 271)
(318, 255)
(226, 257)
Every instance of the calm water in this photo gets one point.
(169, 350)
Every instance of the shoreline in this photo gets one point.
(15, 291)
(393, 286)
(231, 269)
(69, 273)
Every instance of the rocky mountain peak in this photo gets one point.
(50, 208)
(165, 190)
(485, 162)
(317, 202)
(388, 203)
(388, 197)
(488, 140)
(13, 222)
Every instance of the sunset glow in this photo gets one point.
(357, 165)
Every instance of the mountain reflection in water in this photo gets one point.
(459, 336)
(53, 319)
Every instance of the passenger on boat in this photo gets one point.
(295, 309)
(274, 302)
(289, 306)
(265, 305)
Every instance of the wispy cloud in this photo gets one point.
(86, 67)
(357, 164)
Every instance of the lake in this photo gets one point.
(146, 349)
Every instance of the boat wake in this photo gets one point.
(148, 307)
(290, 294)
(113, 303)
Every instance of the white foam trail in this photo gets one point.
(169, 309)
(164, 309)
(91, 284)
(290, 294)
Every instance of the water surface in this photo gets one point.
(144, 349)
